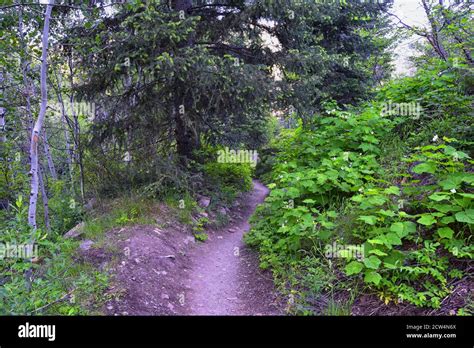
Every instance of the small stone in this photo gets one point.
(86, 245)
(91, 204)
(76, 231)
(204, 201)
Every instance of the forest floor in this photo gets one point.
(161, 270)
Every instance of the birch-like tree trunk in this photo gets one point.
(24, 68)
(35, 134)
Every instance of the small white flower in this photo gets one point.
(435, 138)
(453, 190)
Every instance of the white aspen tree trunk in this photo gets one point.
(25, 67)
(47, 152)
(35, 134)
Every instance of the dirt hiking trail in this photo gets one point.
(224, 277)
(164, 271)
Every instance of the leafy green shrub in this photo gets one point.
(413, 235)
(59, 285)
(65, 211)
(445, 100)
(315, 170)
(328, 186)
(236, 176)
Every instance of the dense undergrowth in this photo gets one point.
(374, 202)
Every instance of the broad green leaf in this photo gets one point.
(402, 229)
(309, 201)
(426, 219)
(427, 167)
(321, 178)
(445, 232)
(451, 151)
(447, 220)
(437, 196)
(372, 262)
(368, 219)
(331, 214)
(446, 208)
(353, 267)
(376, 241)
(393, 239)
(386, 212)
(377, 252)
(394, 259)
(452, 182)
(392, 190)
(466, 216)
(372, 277)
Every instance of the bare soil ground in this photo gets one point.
(224, 277)
(163, 271)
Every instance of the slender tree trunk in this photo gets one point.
(434, 37)
(187, 138)
(24, 68)
(65, 124)
(465, 49)
(35, 134)
(76, 132)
